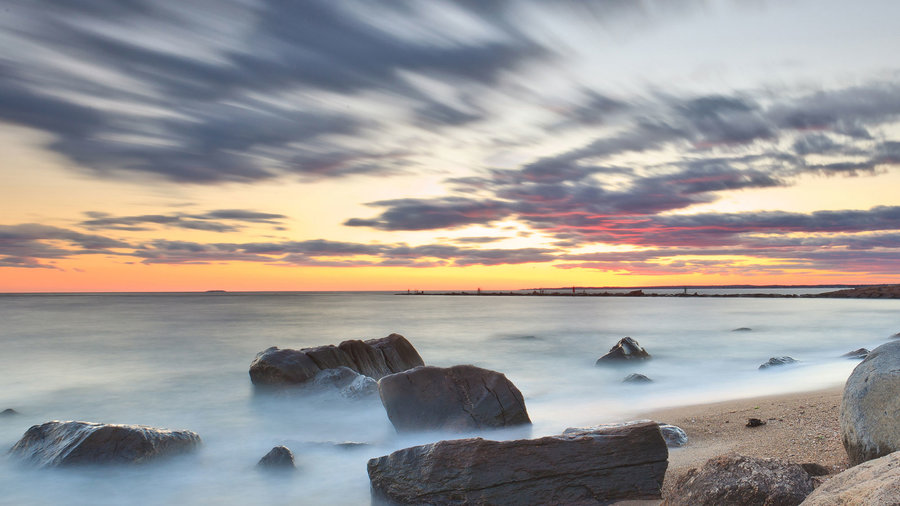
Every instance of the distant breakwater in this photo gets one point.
(868, 292)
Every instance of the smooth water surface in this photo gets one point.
(181, 361)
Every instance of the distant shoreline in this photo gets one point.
(862, 292)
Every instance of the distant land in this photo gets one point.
(844, 292)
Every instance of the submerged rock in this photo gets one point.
(873, 482)
(458, 398)
(870, 408)
(675, 436)
(9, 412)
(67, 443)
(636, 378)
(741, 480)
(591, 467)
(742, 329)
(626, 349)
(348, 382)
(860, 353)
(374, 358)
(777, 361)
(279, 457)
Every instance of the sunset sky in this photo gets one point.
(365, 145)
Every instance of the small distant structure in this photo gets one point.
(479, 290)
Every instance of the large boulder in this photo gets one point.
(458, 398)
(870, 409)
(626, 349)
(68, 443)
(374, 358)
(736, 479)
(594, 467)
(674, 435)
(874, 482)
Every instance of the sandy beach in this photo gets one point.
(800, 428)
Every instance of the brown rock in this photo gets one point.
(459, 398)
(874, 482)
(68, 443)
(626, 349)
(742, 480)
(870, 408)
(375, 358)
(596, 467)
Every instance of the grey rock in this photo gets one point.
(737, 479)
(458, 398)
(375, 358)
(675, 436)
(626, 349)
(777, 361)
(279, 457)
(636, 378)
(349, 383)
(9, 412)
(742, 329)
(870, 408)
(593, 467)
(873, 482)
(860, 353)
(69, 443)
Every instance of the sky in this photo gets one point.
(164, 145)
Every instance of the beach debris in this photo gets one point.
(876, 481)
(742, 329)
(870, 408)
(777, 361)
(674, 436)
(736, 479)
(374, 358)
(279, 457)
(636, 378)
(626, 349)
(458, 398)
(9, 412)
(860, 353)
(59, 443)
(588, 467)
(348, 382)
(755, 422)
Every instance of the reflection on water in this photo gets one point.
(181, 360)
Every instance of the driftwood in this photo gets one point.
(591, 467)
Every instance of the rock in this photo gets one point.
(870, 408)
(874, 482)
(348, 382)
(594, 467)
(626, 349)
(9, 412)
(896, 336)
(814, 469)
(737, 479)
(67, 443)
(755, 422)
(279, 457)
(742, 329)
(674, 436)
(375, 358)
(776, 361)
(636, 378)
(860, 353)
(458, 398)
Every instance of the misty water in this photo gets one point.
(180, 361)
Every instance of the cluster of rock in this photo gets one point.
(865, 292)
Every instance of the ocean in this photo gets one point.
(180, 361)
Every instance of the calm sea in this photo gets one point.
(181, 360)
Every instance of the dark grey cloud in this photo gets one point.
(33, 245)
(422, 214)
(221, 220)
